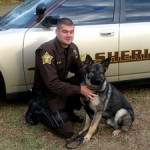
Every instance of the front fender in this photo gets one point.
(2, 87)
(11, 60)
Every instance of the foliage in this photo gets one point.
(10, 1)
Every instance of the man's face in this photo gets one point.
(65, 35)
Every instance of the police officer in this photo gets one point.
(54, 59)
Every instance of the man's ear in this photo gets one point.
(105, 63)
(88, 61)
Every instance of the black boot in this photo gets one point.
(30, 116)
(75, 118)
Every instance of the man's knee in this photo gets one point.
(66, 130)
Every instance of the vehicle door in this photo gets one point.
(134, 40)
(96, 29)
(36, 35)
(96, 32)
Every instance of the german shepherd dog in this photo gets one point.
(110, 105)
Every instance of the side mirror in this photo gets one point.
(50, 20)
(40, 9)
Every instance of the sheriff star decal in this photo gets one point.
(47, 58)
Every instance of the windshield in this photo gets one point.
(20, 16)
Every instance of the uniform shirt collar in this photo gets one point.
(59, 47)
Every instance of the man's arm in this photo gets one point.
(48, 72)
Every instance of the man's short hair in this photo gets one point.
(65, 21)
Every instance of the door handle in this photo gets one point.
(107, 33)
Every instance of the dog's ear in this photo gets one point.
(105, 63)
(88, 61)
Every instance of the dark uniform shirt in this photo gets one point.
(53, 63)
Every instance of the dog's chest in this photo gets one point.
(93, 106)
(96, 105)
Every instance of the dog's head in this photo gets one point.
(95, 73)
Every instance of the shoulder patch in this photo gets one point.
(47, 58)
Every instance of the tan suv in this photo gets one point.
(119, 29)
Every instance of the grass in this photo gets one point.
(17, 135)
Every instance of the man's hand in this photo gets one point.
(87, 93)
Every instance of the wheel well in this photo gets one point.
(2, 87)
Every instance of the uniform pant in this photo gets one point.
(58, 102)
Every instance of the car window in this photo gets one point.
(22, 14)
(84, 12)
(137, 10)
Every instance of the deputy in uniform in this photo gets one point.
(54, 59)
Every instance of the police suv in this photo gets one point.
(119, 29)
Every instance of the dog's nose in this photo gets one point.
(96, 81)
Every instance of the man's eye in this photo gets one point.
(64, 31)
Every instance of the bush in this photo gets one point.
(10, 1)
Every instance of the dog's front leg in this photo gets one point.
(87, 123)
(93, 126)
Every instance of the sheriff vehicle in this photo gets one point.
(119, 29)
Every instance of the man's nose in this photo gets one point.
(69, 34)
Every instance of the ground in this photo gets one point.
(17, 135)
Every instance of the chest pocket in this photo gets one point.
(60, 65)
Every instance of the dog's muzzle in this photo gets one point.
(96, 80)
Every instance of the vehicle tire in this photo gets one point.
(2, 88)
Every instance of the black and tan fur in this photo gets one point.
(110, 104)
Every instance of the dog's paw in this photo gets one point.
(87, 138)
(116, 132)
(81, 132)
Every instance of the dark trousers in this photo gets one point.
(58, 102)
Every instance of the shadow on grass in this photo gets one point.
(17, 100)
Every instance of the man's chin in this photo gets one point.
(68, 42)
(65, 45)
